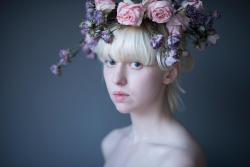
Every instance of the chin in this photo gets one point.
(123, 109)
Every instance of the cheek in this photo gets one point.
(147, 87)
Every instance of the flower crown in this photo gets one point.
(181, 19)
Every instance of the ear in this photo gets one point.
(171, 74)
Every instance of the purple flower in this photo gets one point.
(89, 15)
(84, 31)
(156, 41)
(91, 55)
(199, 19)
(92, 44)
(169, 60)
(212, 39)
(191, 11)
(173, 41)
(85, 48)
(173, 53)
(98, 17)
(56, 70)
(107, 36)
(65, 56)
(90, 4)
(88, 24)
(87, 51)
(90, 8)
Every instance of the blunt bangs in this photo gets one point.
(130, 44)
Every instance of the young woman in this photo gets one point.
(138, 87)
(142, 45)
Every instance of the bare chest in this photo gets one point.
(138, 154)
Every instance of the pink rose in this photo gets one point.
(130, 14)
(160, 11)
(177, 24)
(195, 3)
(105, 5)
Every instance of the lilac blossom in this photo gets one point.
(90, 4)
(173, 41)
(157, 41)
(85, 48)
(173, 53)
(91, 55)
(65, 56)
(198, 18)
(87, 51)
(169, 60)
(107, 36)
(98, 17)
(84, 31)
(191, 11)
(85, 27)
(90, 8)
(56, 70)
(212, 39)
(92, 44)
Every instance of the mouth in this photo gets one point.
(120, 96)
(120, 93)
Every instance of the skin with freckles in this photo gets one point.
(154, 138)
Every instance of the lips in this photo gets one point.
(120, 93)
(120, 96)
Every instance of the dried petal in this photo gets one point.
(157, 41)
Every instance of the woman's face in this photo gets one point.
(142, 85)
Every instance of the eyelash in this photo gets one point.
(137, 63)
(109, 61)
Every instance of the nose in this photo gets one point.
(119, 77)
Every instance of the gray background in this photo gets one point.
(49, 121)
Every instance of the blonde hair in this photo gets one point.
(131, 44)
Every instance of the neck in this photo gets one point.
(150, 122)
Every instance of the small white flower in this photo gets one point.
(172, 53)
(170, 60)
(213, 38)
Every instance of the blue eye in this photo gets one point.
(109, 63)
(136, 65)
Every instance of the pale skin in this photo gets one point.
(154, 138)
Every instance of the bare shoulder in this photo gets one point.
(187, 151)
(111, 140)
(185, 158)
